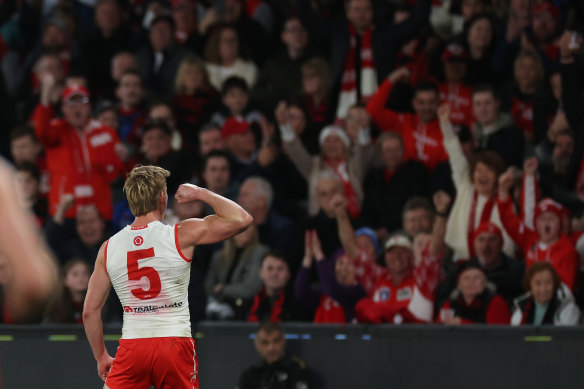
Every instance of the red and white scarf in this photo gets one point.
(485, 217)
(348, 95)
(353, 207)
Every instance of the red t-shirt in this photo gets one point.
(422, 141)
(459, 99)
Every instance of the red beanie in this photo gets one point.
(235, 125)
(549, 205)
(489, 228)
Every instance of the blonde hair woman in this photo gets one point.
(194, 98)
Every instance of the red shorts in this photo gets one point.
(163, 362)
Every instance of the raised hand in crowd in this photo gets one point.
(312, 248)
(442, 202)
(315, 246)
(400, 74)
(443, 113)
(506, 182)
(211, 18)
(358, 125)
(281, 112)
(268, 151)
(48, 85)
(308, 256)
(569, 44)
(66, 201)
(122, 152)
(530, 166)
(339, 205)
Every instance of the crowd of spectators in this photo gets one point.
(404, 161)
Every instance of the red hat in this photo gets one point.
(235, 125)
(74, 90)
(489, 228)
(454, 52)
(549, 205)
(547, 7)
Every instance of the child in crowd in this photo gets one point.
(67, 304)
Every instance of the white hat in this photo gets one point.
(398, 241)
(334, 130)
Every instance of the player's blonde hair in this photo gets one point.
(143, 187)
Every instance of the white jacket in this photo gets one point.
(566, 314)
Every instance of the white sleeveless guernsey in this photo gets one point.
(151, 278)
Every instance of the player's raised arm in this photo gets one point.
(97, 292)
(229, 219)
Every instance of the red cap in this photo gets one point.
(547, 7)
(74, 90)
(454, 51)
(549, 205)
(489, 228)
(235, 125)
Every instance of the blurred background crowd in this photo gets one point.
(404, 161)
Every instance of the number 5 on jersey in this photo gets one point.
(135, 273)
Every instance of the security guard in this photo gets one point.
(277, 370)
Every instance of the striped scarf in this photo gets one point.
(351, 93)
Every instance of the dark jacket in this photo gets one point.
(161, 83)
(282, 307)
(507, 279)
(279, 233)
(96, 55)
(562, 188)
(288, 373)
(385, 196)
(507, 140)
(279, 79)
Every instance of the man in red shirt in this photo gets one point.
(404, 292)
(83, 156)
(453, 92)
(420, 131)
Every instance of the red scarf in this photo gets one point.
(485, 217)
(353, 206)
(261, 303)
(348, 95)
(329, 311)
(522, 112)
